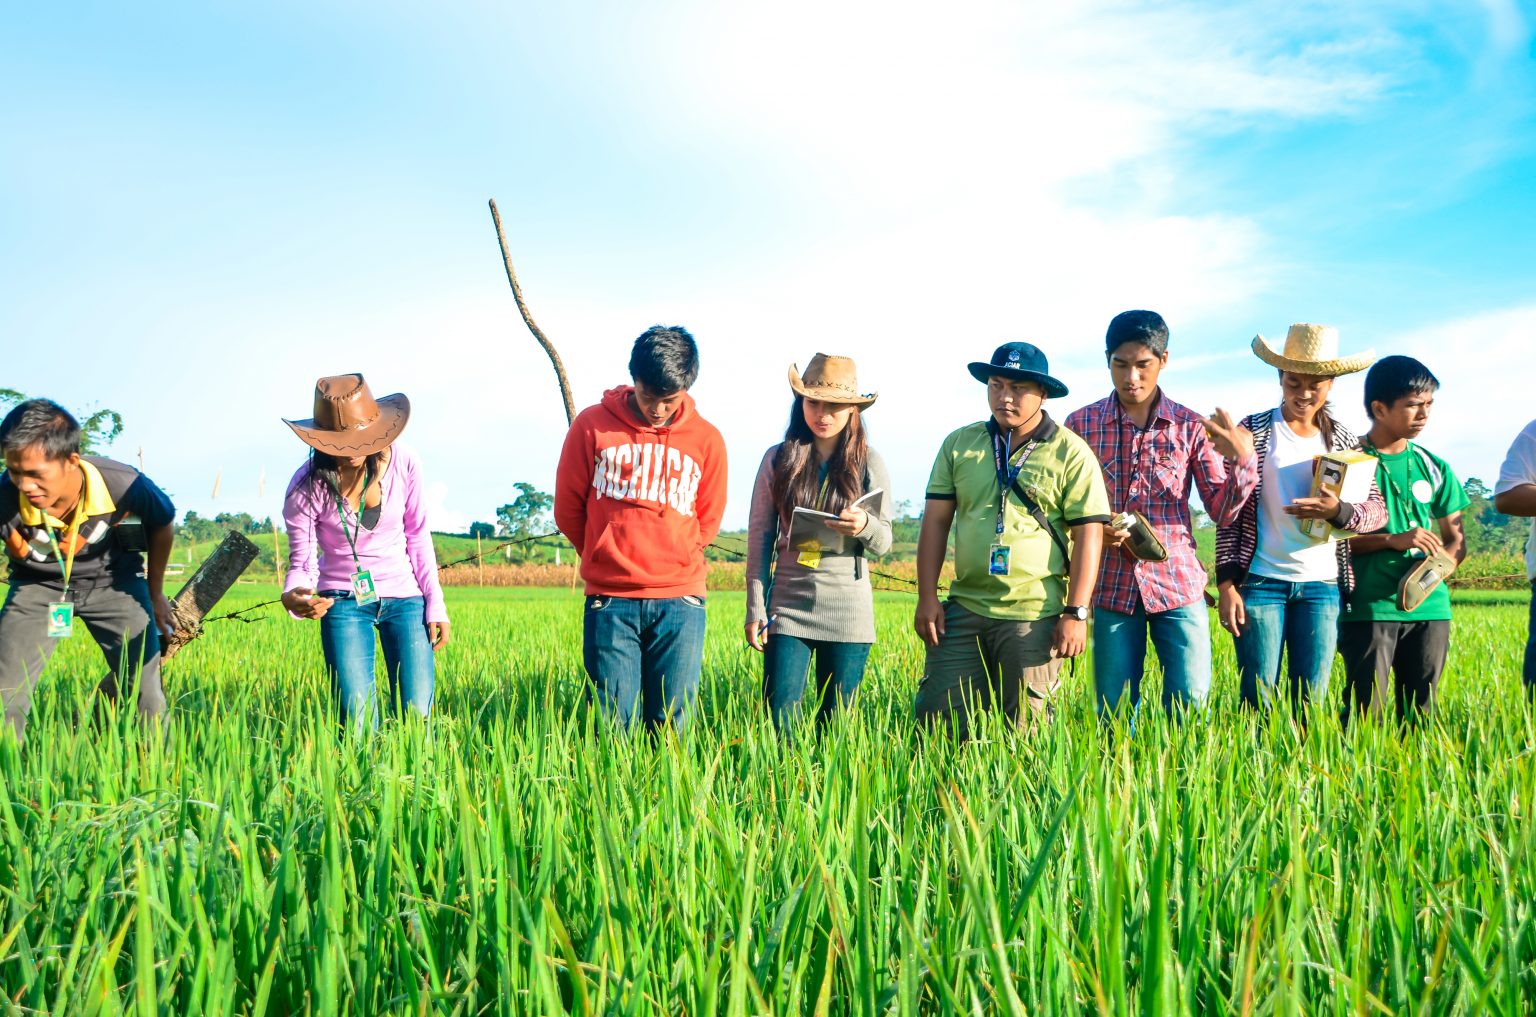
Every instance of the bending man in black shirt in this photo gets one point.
(75, 529)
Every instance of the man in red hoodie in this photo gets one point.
(640, 493)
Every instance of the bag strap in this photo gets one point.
(1033, 508)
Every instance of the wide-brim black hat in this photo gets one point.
(1020, 362)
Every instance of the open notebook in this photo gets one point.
(808, 530)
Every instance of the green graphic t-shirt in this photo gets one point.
(1420, 490)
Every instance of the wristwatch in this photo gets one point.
(1080, 613)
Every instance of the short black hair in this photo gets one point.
(665, 359)
(1391, 378)
(1145, 327)
(42, 423)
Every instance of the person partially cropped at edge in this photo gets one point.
(77, 532)
(639, 493)
(805, 604)
(1280, 587)
(1012, 487)
(1392, 651)
(1154, 452)
(360, 555)
(1515, 495)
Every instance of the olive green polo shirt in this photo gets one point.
(1061, 474)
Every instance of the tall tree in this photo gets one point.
(527, 515)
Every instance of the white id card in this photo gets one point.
(61, 620)
(998, 560)
(362, 588)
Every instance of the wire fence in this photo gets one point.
(898, 583)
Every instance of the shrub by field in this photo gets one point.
(508, 860)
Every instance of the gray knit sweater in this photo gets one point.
(828, 602)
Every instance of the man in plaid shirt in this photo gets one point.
(1153, 450)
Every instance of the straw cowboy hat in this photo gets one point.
(348, 421)
(831, 380)
(1311, 349)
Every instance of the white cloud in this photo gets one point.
(1484, 398)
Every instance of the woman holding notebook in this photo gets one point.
(1284, 564)
(820, 503)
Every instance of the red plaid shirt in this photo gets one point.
(1152, 472)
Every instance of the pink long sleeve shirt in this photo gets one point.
(397, 551)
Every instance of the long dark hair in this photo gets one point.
(323, 479)
(796, 479)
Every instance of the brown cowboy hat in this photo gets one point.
(831, 380)
(348, 421)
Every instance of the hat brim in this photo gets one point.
(830, 395)
(394, 412)
(981, 371)
(1320, 368)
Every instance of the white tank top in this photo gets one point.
(1284, 551)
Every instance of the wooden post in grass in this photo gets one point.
(479, 559)
(208, 584)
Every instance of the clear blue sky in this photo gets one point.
(203, 207)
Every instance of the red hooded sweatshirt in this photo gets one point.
(640, 503)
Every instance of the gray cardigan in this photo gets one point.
(831, 602)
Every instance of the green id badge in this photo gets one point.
(363, 589)
(61, 620)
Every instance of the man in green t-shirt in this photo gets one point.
(1012, 487)
(1384, 645)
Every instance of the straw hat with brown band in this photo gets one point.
(349, 422)
(831, 380)
(1312, 349)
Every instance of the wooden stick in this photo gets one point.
(522, 308)
(209, 583)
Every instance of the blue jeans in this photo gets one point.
(1300, 618)
(1183, 641)
(1530, 647)
(787, 663)
(347, 635)
(644, 653)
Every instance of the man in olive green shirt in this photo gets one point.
(1012, 487)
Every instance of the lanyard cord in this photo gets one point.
(341, 511)
(1412, 503)
(70, 533)
(1007, 470)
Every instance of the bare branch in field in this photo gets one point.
(522, 307)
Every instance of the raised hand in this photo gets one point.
(1231, 439)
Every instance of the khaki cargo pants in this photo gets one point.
(984, 663)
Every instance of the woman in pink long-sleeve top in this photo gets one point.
(360, 556)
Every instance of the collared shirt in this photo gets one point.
(1063, 478)
(119, 504)
(1152, 471)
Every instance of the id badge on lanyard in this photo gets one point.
(363, 590)
(61, 612)
(61, 619)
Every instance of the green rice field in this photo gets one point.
(508, 859)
